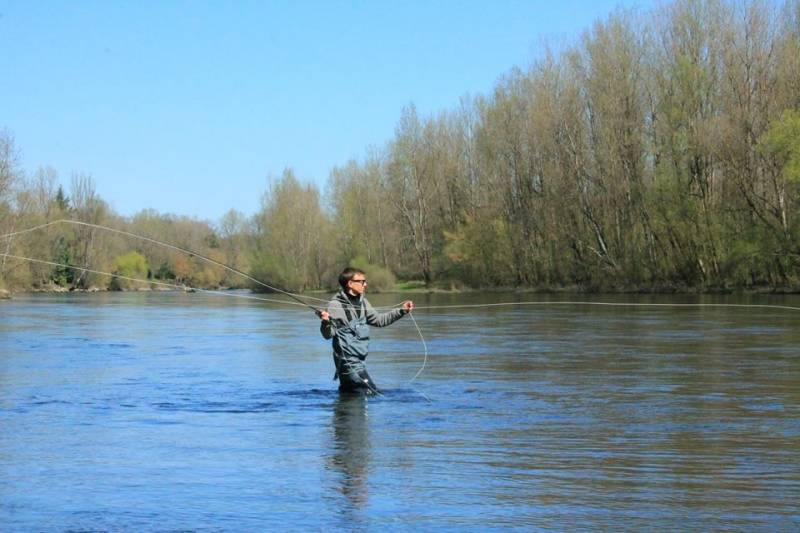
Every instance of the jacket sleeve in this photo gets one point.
(336, 312)
(383, 319)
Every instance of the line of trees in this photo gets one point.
(661, 150)
(34, 201)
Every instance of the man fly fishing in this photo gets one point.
(347, 322)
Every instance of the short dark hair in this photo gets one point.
(347, 275)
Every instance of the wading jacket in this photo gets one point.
(350, 319)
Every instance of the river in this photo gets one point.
(197, 412)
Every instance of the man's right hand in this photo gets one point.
(323, 315)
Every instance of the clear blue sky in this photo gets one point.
(188, 107)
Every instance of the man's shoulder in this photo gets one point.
(338, 299)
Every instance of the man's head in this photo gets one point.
(353, 281)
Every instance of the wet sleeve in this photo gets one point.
(326, 329)
(383, 319)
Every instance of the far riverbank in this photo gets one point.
(414, 288)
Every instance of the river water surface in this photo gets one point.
(195, 412)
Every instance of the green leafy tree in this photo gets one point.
(130, 265)
(290, 250)
(380, 278)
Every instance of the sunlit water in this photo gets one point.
(139, 412)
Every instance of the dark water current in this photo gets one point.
(193, 412)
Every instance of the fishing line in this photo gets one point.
(297, 297)
(608, 304)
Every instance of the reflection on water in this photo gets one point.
(189, 412)
(350, 453)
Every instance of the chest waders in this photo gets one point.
(350, 349)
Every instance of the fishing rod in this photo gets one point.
(149, 281)
(172, 247)
(293, 296)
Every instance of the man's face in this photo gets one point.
(357, 285)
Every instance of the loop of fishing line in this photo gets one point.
(424, 347)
